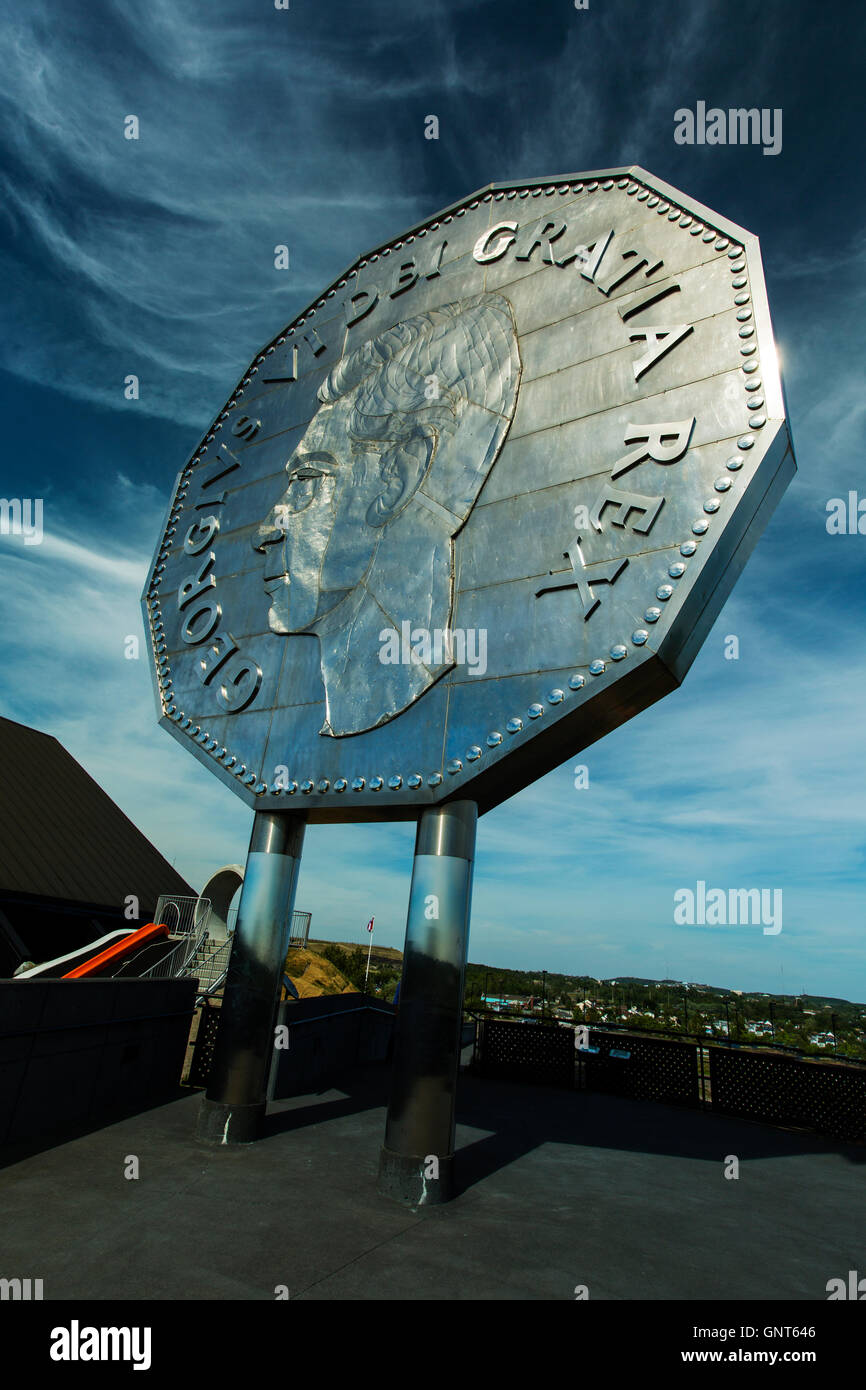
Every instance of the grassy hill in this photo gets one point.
(312, 976)
(383, 955)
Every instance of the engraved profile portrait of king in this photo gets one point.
(408, 428)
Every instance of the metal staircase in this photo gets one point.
(195, 954)
(187, 920)
(210, 964)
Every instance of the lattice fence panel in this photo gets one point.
(527, 1052)
(827, 1098)
(652, 1070)
(205, 1043)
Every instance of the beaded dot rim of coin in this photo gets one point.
(598, 666)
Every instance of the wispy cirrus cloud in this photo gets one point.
(164, 245)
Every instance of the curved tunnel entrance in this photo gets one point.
(223, 888)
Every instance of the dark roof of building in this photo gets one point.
(61, 835)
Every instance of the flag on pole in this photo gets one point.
(369, 953)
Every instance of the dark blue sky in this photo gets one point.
(306, 127)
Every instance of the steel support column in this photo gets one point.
(417, 1158)
(236, 1099)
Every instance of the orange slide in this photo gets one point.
(151, 932)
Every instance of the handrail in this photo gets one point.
(176, 913)
(338, 1013)
(175, 963)
(167, 968)
(205, 905)
(218, 959)
(188, 912)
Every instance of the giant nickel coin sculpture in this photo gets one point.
(480, 503)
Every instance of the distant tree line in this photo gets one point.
(669, 1005)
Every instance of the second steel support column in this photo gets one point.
(417, 1159)
(236, 1100)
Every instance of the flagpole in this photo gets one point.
(369, 950)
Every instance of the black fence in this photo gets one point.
(525, 1052)
(327, 1035)
(822, 1096)
(640, 1068)
(826, 1097)
(205, 1043)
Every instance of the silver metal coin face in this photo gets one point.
(476, 506)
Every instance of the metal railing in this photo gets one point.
(173, 964)
(211, 970)
(192, 928)
(733, 1042)
(211, 966)
(826, 1095)
(191, 956)
(299, 931)
(182, 915)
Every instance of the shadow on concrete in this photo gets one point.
(365, 1089)
(518, 1119)
(17, 1151)
(521, 1118)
